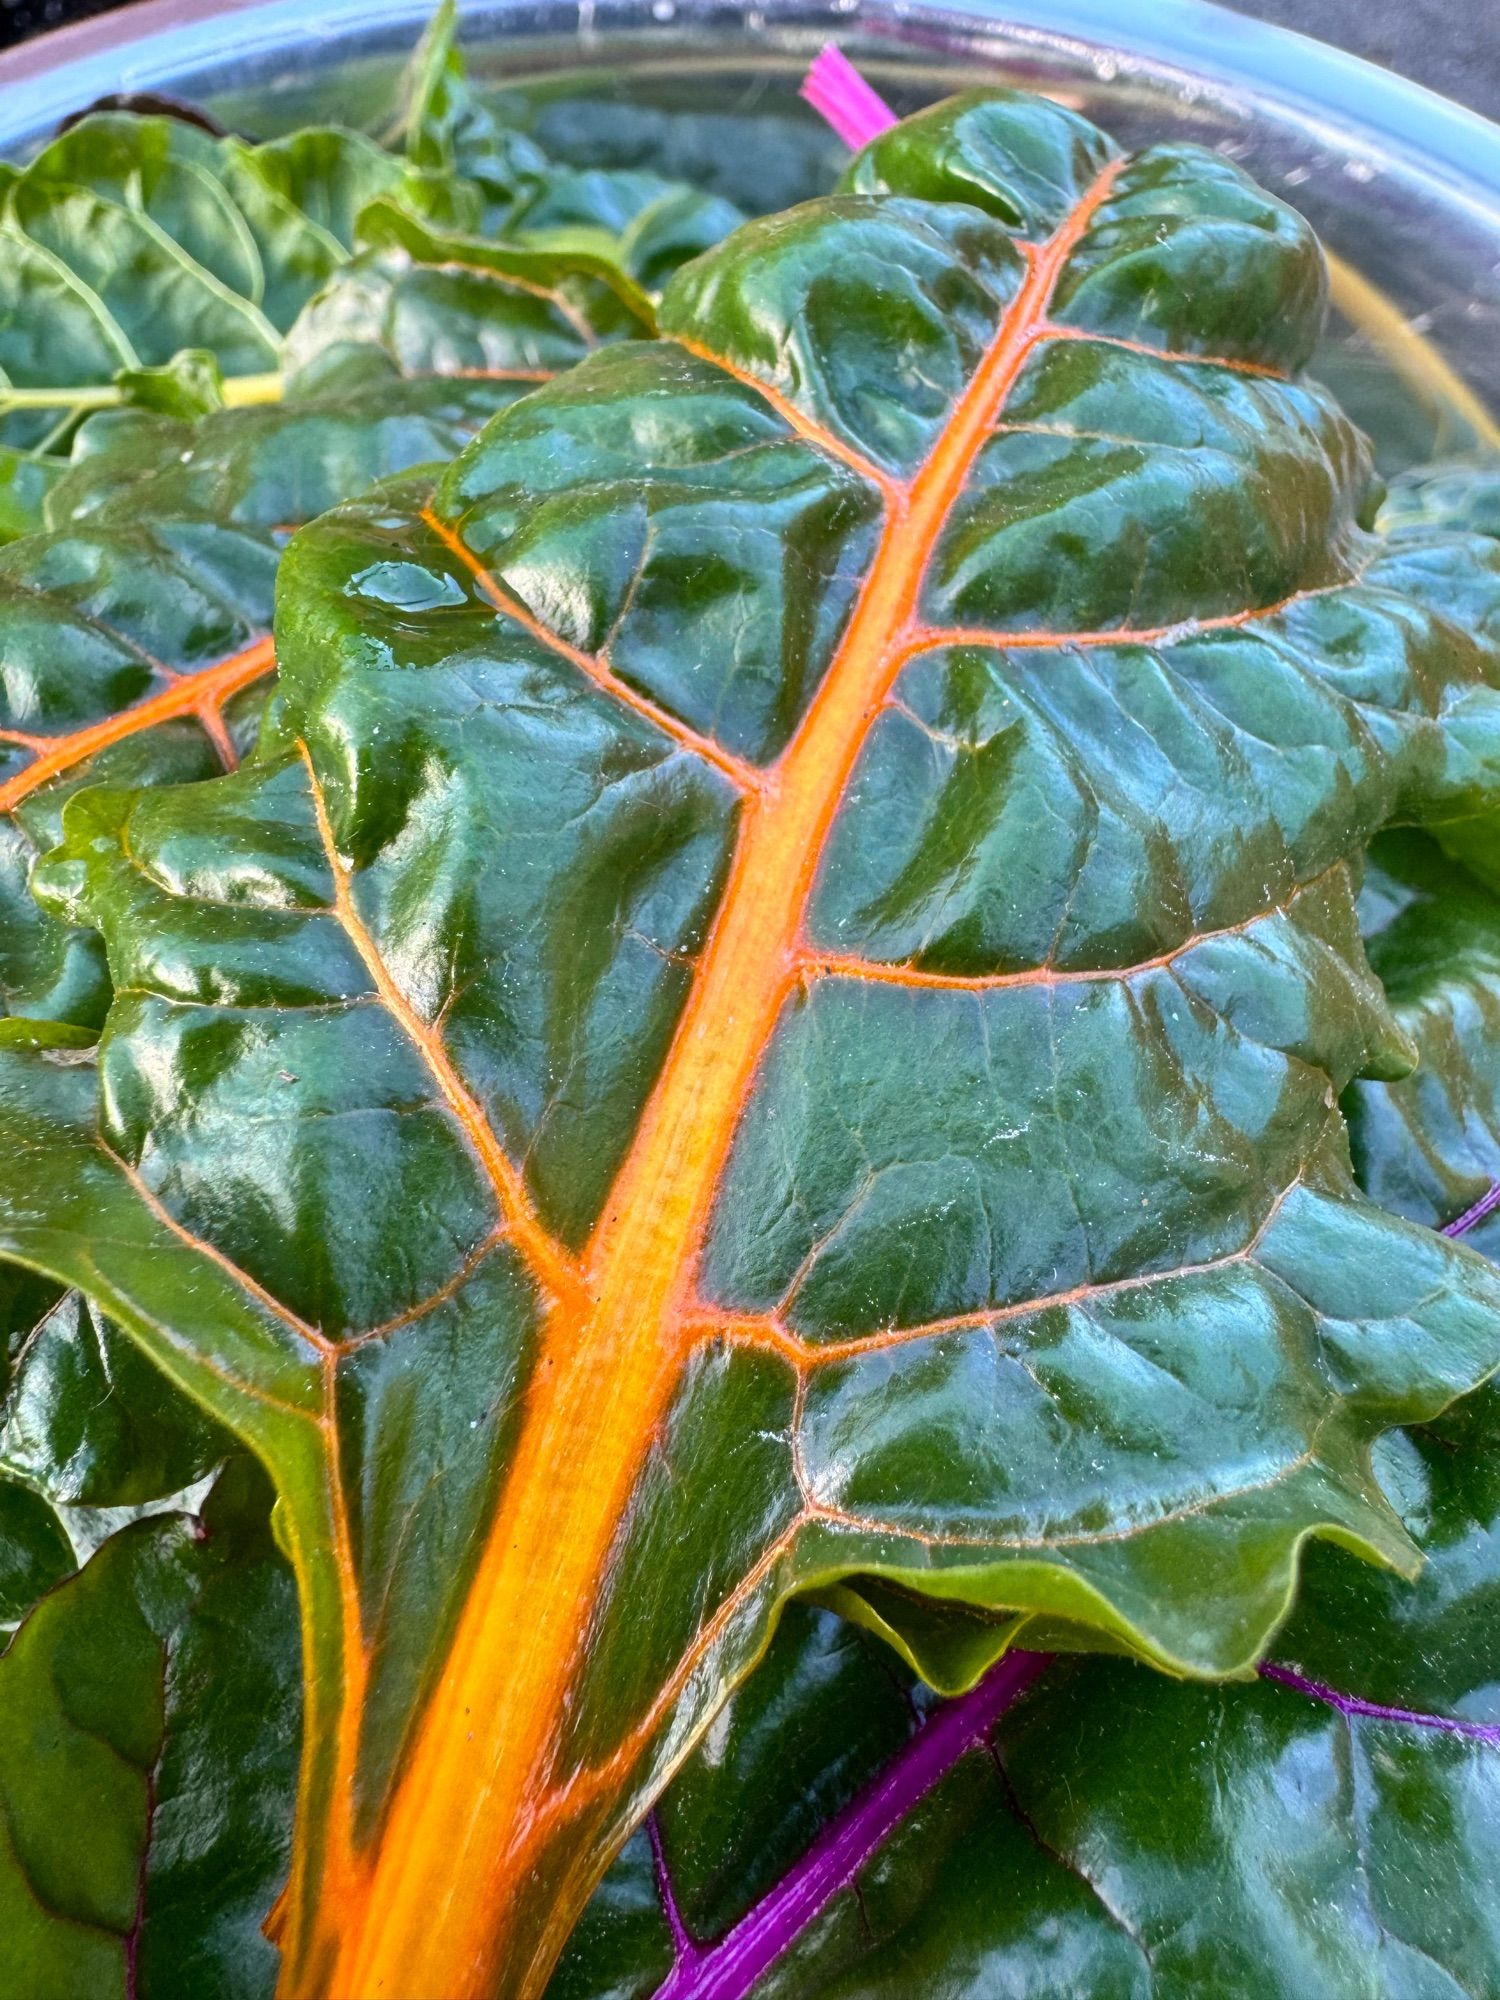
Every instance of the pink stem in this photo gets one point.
(729, 1969)
(1353, 1704)
(837, 92)
(1486, 1205)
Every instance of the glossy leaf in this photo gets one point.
(1456, 493)
(137, 652)
(1428, 1146)
(398, 364)
(645, 221)
(86, 1422)
(129, 238)
(1118, 1835)
(149, 1709)
(26, 478)
(771, 1018)
(36, 1552)
(146, 257)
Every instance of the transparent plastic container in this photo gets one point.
(1403, 187)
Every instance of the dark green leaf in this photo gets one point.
(1458, 493)
(779, 998)
(87, 1422)
(35, 1551)
(1428, 1146)
(396, 364)
(25, 481)
(1125, 1838)
(642, 219)
(149, 1709)
(131, 239)
(189, 385)
(135, 652)
(771, 1015)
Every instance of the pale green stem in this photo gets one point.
(239, 390)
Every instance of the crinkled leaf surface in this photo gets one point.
(91, 1437)
(1454, 493)
(85, 1421)
(129, 238)
(1118, 1836)
(150, 1715)
(130, 632)
(136, 651)
(782, 1021)
(142, 250)
(396, 363)
(1428, 1145)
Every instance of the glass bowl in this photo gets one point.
(1403, 186)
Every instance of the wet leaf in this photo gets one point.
(771, 1016)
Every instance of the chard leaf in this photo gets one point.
(86, 1422)
(395, 364)
(128, 628)
(1112, 1834)
(147, 289)
(35, 1550)
(26, 478)
(142, 254)
(643, 220)
(1454, 493)
(130, 238)
(445, 128)
(1428, 1146)
(150, 1710)
(770, 1018)
(137, 652)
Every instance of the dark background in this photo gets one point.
(1451, 45)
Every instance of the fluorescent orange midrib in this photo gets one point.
(461, 1830)
(199, 694)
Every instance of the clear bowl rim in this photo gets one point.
(1356, 106)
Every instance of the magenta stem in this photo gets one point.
(685, 1951)
(838, 93)
(1486, 1205)
(1353, 1704)
(730, 1968)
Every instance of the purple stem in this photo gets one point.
(1353, 1704)
(839, 94)
(728, 1969)
(686, 1951)
(1486, 1205)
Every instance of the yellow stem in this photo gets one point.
(239, 390)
